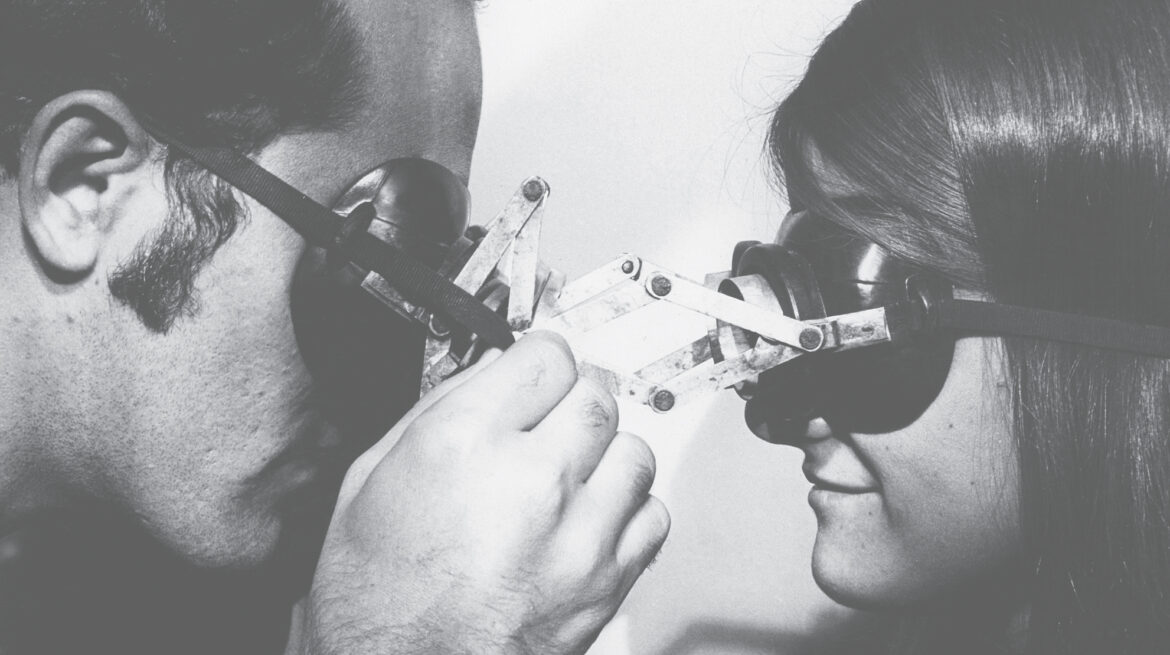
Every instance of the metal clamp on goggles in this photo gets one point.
(820, 323)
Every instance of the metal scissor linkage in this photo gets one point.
(749, 333)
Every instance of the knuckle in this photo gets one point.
(528, 483)
(441, 421)
(550, 360)
(543, 476)
(641, 479)
(544, 479)
(443, 440)
(551, 340)
(599, 409)
(658, 520)
(543, 499)
(640, 460)
(584, 559)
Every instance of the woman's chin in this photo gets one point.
(861, 577)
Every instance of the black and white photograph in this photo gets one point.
(594, 327)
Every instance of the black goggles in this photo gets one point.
(817, 269)
(398, 237)
(394, 239)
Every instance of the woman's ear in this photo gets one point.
(77, 150)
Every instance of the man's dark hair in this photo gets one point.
(232, 73)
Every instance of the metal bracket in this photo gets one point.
(748, 335)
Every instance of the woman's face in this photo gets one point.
(907, 515)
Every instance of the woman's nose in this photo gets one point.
(789, 431)
(817, 429)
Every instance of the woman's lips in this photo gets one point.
(820, 482)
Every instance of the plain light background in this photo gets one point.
(648, 118)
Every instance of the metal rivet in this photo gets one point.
(661, 285)
(533, 189)
(663, 401)
(811, 339)
(627, 267)
(438, 328)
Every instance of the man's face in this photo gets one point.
(207, 431)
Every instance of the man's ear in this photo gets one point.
(79, 153)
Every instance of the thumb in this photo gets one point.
(363, 465)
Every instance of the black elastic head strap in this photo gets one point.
(852, 273)
(1013, 320)
(321, 227)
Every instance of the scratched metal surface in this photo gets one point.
(647, 120)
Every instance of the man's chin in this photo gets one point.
(230, 546)
(287, 531)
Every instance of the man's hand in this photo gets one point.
(502, 515)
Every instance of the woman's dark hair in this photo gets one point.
(232, 73)
(1022, 148)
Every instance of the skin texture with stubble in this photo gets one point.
(204, 432)
(505, 514)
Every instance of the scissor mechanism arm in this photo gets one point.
(748, 334)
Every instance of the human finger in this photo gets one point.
(360, 468)
(580, 428)
(621, 481)
(643, 536)
(520, 387)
